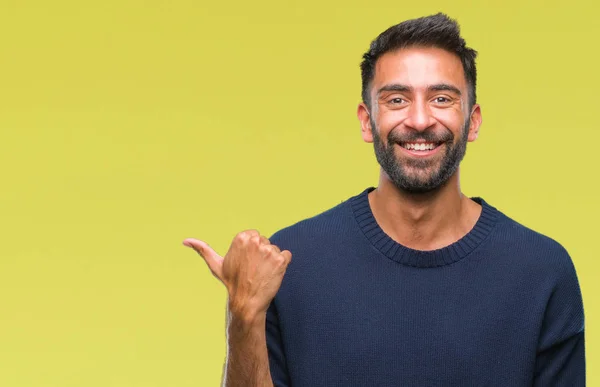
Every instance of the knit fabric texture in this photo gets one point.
(499, 307)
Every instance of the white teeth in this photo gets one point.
(419, 146)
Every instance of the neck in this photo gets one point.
(424, 221)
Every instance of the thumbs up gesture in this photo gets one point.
(252, 271)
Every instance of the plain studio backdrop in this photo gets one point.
(127, 126)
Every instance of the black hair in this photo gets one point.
(430, 31)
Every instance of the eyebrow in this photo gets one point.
(404, 88)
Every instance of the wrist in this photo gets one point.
(245, 315)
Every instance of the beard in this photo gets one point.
(415, 175)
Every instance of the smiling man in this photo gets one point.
(411, 283)
(420, 89)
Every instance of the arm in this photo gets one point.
(247, 362)
(560, 359)
(252, 271)
(562, 364)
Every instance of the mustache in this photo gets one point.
(427, 136)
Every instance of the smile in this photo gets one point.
(420, 148)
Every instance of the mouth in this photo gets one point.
(421, 149)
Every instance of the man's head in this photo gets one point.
(419, 107)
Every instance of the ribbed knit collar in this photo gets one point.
(417, 258)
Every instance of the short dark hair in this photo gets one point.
(430, 31)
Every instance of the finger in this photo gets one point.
(250, 233)
(264, 240)
(255, 241)
(212, 259)
(276, 248)
(287, 255)
(244, 237)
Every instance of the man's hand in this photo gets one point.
(252, 271)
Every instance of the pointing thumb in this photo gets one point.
(212, 259)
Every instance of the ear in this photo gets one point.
(365, 122)
(475, 122)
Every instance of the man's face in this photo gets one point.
(419, 121)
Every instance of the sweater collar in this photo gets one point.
(418, 258)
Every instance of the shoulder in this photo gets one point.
(545, 271)
(325, 225)
(532, 249)
(335, 226)
(516, 232)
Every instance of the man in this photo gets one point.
(411, 283)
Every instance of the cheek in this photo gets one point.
(388, 121)
(452, 120)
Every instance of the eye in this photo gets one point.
(396, 101)
(441, 100)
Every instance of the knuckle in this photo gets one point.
(253, 232)
(265, 249)
(241, 236)
(279, 258)
(255, 240)
(246, 235)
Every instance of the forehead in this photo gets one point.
(419, 67)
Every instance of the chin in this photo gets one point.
(417, 183)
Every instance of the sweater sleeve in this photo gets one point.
(560, 359)
(277, 362)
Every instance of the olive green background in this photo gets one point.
(127, 126)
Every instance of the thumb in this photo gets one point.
(212, 259)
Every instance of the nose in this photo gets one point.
(419, 116)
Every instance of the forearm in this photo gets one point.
(247, 363)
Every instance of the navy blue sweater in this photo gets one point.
(500, 307)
